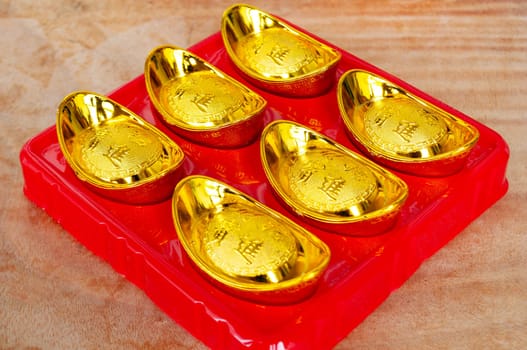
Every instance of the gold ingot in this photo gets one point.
(276, 57)
(201, 103)
(244, 247)
(115, 152)
(327, 184)
(401, 130)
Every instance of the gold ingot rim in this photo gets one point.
(357, 88)
(88, 113)
(209, 194)
(168, 65)
(362, 210)
(270, 21)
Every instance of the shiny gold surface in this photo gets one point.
(116, 152)
(200, 102)
(401, 130)
(327, 183)
(243, 246)
(275, 56)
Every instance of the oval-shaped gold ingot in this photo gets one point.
(199, 102)
(326, 183)
(243, 246)
(401, 130)
(276, 57)
(114, 151)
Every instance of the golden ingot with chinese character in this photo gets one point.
(115, 152)
(276, 57)
(244, 247)
(328, 184)
(199, 102)
(401, 130)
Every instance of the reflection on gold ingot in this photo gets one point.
(401, 130)
(199, 102)
(115, 152)
(243, 246)
(327, 184)
(276, 57)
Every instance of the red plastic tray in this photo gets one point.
(140, 241)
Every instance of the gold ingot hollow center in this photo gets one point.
(245, 243)
(322, 181)
(277, 53)
(203, 99)
(401, 125)
(116, 150)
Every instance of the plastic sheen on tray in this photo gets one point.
(362, 271)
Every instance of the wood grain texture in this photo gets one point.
(54, 294)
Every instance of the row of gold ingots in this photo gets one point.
(236, 242)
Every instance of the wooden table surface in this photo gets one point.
(55, 294)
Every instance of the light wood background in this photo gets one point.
(54, 294)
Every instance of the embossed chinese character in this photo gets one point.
(332, 186)
(380, 120)
(116, 154)
(249, 249)
(431, 119)
(257, 46)
(219, 235)
(278, 54)
(202, 101)
(179, 93)
(93, 143)
(305, 173)
(406, 129)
